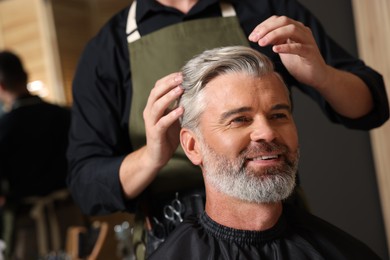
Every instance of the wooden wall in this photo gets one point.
(372, 22)
(50, 36)
(102, 10)
(76, 21)
(72, 31)
(28, 32)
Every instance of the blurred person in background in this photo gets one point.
(33, 166)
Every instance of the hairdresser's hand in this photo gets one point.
(161, 124)
(141, 167)
(295, 44)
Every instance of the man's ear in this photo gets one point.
(190, 145)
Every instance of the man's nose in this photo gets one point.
(263, 131)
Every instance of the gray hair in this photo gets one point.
(210, 64)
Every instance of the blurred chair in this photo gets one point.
(86, 243)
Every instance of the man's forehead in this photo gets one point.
(238, 87)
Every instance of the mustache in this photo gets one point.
(264, 147)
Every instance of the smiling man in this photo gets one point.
(238, 128)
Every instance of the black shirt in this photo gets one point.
(33, 142)
(102, 91)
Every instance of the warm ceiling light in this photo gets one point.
(37, 88)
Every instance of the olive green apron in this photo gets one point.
(156, 55)
(163, 52)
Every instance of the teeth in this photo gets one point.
(267, 157)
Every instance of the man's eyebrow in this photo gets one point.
(232, 112)
(239, 110)
(282, 107)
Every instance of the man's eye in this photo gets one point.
(240, 120)
(279, 116)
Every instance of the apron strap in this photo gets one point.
(227, 9)
(131, 27)
(132, 33)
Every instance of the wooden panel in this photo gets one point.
(372, 22)
(26, 29)
(103, 10)
(73, 30)
(76, 22)
(50, 45)
(21, 34)
(51, 35)
(1, 33)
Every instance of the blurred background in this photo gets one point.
(344, 172)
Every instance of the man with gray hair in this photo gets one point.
(237, 126)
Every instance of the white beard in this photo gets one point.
(232, 178)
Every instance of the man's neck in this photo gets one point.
(9, 98)
(234, 213)
(182, 5)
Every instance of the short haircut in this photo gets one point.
(12, 74)
(208, 65)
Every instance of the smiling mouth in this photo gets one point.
(266, 157)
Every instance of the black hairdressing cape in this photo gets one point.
(297, 235)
